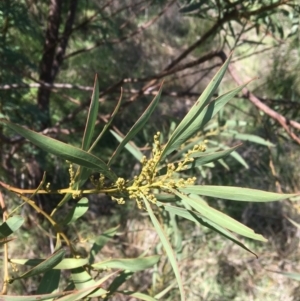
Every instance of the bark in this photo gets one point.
(46, 64)
(53, 54)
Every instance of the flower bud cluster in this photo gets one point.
(147, 180)
(121, 184)
(187, 157)
(72, 175)
(120, 201)
(143, 183)
(98, 183)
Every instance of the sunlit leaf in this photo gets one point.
(167, 246)
(87, 287)
(78, 210)
(200, 219)
(90, 291)
(82, 279)
(140, 123)
(132, 264)
(235, 193)
(219, 218)
(49, 282)
(65, 264)
(118, 281)
(129, 146)
(201, 158)
(247, 137)
(233, 154)
(45, 265)
(196, 109)
(11, 225)
(200, 113)
(91, 118)
(107, 125)
(63, 150)
(100, 242)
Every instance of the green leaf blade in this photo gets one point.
(129, 146)
(247, 137)
(100, 241)
(200, 219)
(219, 218)
(196, 119)
(132, 264)
(78, 210)
(92, 117)
(49, 282)
(140, 123)
(167, 247)
(11, 225)
(65, 264)
(235, 193)
(63, 150)
(45, 265)
(195, 110)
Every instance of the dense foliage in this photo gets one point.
(50, 53)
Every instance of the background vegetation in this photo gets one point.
(50, 52)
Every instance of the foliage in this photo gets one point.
(50, 52)
(160, 185)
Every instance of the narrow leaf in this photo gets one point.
(118, 281)
(235, 193)
(107, 125)
(77, 211)
(200, 219)
(49, 282)
(100, 242)
(11, 225)
(129, 146)
(203, 158)
(167, 246)
(89, 288)
(63, 150)
(91, 118)
(196, 109)
(90, 291)
(132, 264)
(140, 123)
(219, 218)
(246, 137)
(199, 117)
(82, 279)
(65, 264)
(45, 265)
(233, 154)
